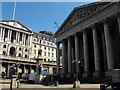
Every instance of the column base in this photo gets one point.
(76, 84)
(116, 75)
(86, 74)
(63, 75)
(98, 74)
(69, 75)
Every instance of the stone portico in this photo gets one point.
(90, 35)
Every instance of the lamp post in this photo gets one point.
(76, 83)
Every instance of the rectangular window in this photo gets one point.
(52, 49)
(34, 51)
(44, 53)
(44, 59)
(48, 59)
(45, 48)
(52, 54)
(49, 49)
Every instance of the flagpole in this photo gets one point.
(14, 11)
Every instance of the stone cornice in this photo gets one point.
(73, 11)
(15, 28)
(88, 17)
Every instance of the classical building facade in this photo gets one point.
(20, 46)
(15, 47)
(90, 38)
(44, 47)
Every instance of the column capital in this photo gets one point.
(105, 20)
(64, 40)
(85, 30)
(93, 26)
(76, 34)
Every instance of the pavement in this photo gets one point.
(59, 86)
(24, 86)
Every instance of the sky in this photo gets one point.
(39, 16)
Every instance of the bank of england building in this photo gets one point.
(20, 47)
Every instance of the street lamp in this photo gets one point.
(76, 83)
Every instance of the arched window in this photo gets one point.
(12, 52)
(20, 49)
(26, 50)
(26, 56)
(19, 55)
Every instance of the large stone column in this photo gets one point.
(28, 40)
(24, 39)
(64, 55)
(18, 37)
(109, 50)
(58, 58)
(69, 56)
(96, 52)
(86, 55)
(10, 34)
(1, 33)
(77, 57)
(104, 51)
(8, 37)
(76, 83)
(118, 19)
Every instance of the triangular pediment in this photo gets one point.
(80, 13)
(16, 24)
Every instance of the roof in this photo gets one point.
(15, 24)
(39, 35)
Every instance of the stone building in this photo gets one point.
(20, 46)
(90, 38)
(44, 47)
(15, 47)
